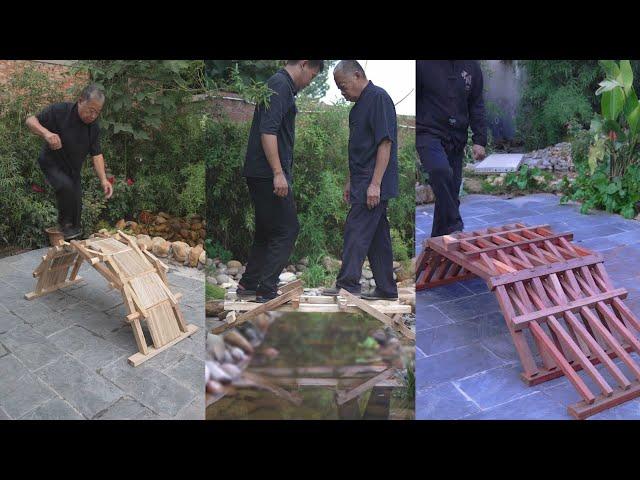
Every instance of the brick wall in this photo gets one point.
(55, 69)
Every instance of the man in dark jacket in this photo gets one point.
(373, 180)
(268, 169)
(448, 102)
(71, 132)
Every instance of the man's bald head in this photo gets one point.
(350, 79)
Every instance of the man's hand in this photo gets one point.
(478, 152)
(53, 140)
(280, 185)
(373, 195)
(346, 195)
(107, 188)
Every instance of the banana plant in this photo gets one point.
(617, 130)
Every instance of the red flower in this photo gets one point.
(111, 180)
(36, 188)
(129, 182)
(613, 136)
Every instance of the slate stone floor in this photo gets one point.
(466, 364)
(64, 355)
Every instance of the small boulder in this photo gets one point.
(181, 251)
(234, 264)
(194, 255)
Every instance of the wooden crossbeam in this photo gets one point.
(454, 244)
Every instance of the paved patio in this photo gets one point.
(64, 355)
(466, 364)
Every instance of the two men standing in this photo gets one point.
(373, 180)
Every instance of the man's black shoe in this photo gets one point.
(264, 298)
(71, 233)
(245, 292)
(334, 292)
(378, 295)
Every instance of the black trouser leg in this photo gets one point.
(258, 252)
(279, 227)
(68, 192)
(445, 176)
(381, 257)
(359, 232)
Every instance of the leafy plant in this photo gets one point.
(526, 178)
(215, 250)
(213, 292)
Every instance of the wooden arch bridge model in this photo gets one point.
(559, 292)
(138, 275)
(291, 298)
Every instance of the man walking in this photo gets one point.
(448, 102)
(373, 180)
(268, 170)
(71, 133)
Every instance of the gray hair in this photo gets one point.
(349, 67)
(92, 92)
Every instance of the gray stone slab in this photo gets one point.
(126, 408)
(149, 386)
(443, 402)
(500, 163)
(475, 285)
(54, 409)
(536, 406)
(91, 319)
(502, 347)
(494, 387)
(30, 311)
(189, 372)
(446, 337)
(626, 411)
(31, 347)
(445, 293)
(3, 351)
(52, 323)
(467, 308)
(58, 301)
(84, 389)
(193, 345)
(4, 415)
(21, 391)
(454, 364)
(97, 295)
(9, 321)
(429, 317)
(194, 411)
(91, 350)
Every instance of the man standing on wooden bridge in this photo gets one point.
(268, 170)
(373, 180)
(448, 102)
(71, 132)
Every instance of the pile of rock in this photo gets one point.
(424, 194)
(227, 275)
(190, 230)
(556, 158)
(229, 354)
(178, 252)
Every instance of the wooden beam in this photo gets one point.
(363, 387)
(139, 358)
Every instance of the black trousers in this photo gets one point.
(443, 163)
(367, 234)
(275, 235)
(68, 190)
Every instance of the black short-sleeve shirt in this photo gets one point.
(278, 119)
(79, 139)
(371, 120)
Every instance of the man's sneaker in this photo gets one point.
(378, 295)
(71, 232)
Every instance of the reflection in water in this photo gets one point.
(319, 356)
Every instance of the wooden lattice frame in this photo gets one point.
(563, 295)
(136, 273)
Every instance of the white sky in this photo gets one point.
(397, 77)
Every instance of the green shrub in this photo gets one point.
(213, 292)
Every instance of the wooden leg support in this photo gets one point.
(138, 358)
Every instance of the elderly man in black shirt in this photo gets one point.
(268, 169)
(448, 102)
(71, 132)
(372, 181)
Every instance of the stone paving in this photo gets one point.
(466, 364)
(64, 355)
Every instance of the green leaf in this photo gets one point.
(612, 103)
(633, 119)
(610, 67)
(628, 211)
(612, 188)
(630, 103)
(626, 74)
